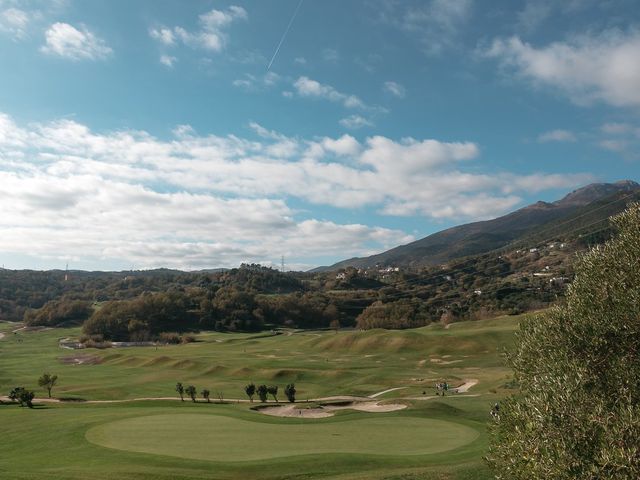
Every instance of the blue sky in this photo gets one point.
(151, 133)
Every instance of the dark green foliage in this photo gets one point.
(48, 381)
(298, 310)
(180, 390)
(142, 318)
(230, 308)
(273, 391)
(290, 392)
(578, 411)
(262, 391)
(192, 392)
(56, 312)
(250, 390)
(260, 279)
(398, 314)
(205, 394)
(22, 396)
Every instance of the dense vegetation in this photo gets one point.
(140, 306)
(578, 367)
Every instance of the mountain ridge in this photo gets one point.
(486, 235)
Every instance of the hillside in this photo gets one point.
(481, 237)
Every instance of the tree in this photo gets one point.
(180, 390)
(273, 390)
(290, 392)
(262, 393)
(22, 396)
(192, 392)
(48, 381)
(578, 411)
(250, 390)
(205, 394)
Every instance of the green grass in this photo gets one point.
(441, 438)
(221, 438)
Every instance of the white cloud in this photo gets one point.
(601, 68)
(557, 136)
(163, 35)
(307, 87)
(620, 128)
(210, 36)
(621, 138)
(257, 82)
(64, 40)
(412, 156)
(168, 60)
(354, 122)
(395, 89)
(14, 21)
(343, 146)
(206, 200)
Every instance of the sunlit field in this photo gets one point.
(109, 430)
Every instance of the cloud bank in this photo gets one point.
(206, 201)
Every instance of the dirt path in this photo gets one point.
(386, 391)
(1, 336)
(352, 402)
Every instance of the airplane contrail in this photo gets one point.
(293, 17)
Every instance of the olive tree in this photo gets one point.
(205, 394)
(273, 391)
(262, 393)
(577, 414)
(290, 392)
(180, 390)
(22, 396)
(192, 392)
(48, 381)
(250, 390)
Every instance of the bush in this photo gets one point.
(578, 411)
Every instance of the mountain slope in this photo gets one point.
(479, 237)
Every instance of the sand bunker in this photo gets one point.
(328, 410)
(293, 411)
(468, 383)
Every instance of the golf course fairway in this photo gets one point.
(221, 438)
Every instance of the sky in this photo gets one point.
(153, 133)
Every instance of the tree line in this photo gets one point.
(251, 390)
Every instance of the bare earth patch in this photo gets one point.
(86, 359)
(439, 361)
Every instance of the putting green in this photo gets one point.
(221, 438)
